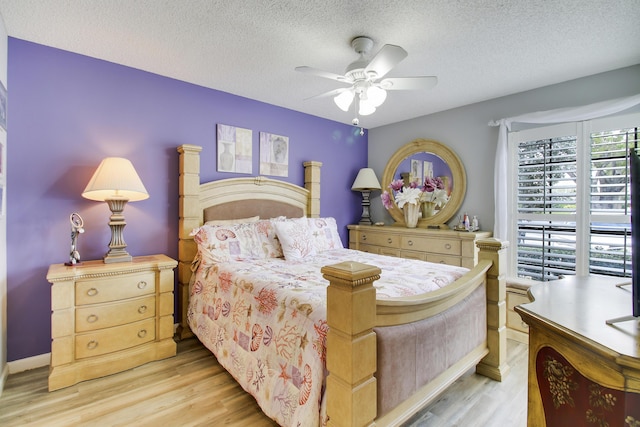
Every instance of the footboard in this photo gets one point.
(353, 312)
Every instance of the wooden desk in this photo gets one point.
(581, 370)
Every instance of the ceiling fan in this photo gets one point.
(365, 78)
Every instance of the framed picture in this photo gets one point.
(234, 149)
(427, 170)
(416, 171)
(274, 154)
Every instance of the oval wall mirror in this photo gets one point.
(422, 158)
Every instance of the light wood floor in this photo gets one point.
(191, 389)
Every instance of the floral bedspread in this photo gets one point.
(265, 321)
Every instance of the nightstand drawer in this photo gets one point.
(114, 339)
(380, 239)
(90, 318)
(115, 288)
(425, 244)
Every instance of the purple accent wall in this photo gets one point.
(66, 112)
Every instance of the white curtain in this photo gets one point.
(561, 115)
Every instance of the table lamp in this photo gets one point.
(116, 182)
(366, 182)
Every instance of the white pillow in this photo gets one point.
(221, 243)
(325, 233)
(296, 238)
(268, 239)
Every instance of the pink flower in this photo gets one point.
(386, 199)
(432, 184)
(397, 185)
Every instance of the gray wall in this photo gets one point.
(465, 130)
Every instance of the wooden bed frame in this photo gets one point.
(352, 308)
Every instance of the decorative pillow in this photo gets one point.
(295, 237)
(232, 221)
(325, 233)
(268, 238)
(221, 243)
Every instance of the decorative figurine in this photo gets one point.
(77, 225)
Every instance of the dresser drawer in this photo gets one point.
(414, 255)
(443, 259)
(113, 339)
(92, 317)
(379, 239)
(107, 289)
(426, 244)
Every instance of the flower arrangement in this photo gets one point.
(432, 190)
(411, 194)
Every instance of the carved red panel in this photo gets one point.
(571, 399)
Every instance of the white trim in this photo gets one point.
(28, 363)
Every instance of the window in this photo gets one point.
(571, 198)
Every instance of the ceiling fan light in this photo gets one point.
(376, 95)
(343, 100)
(366, 108)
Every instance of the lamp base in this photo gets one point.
(117, 246)
(366, 203)
(117, 256)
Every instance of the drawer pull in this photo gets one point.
(142, 309)
(142, 333)
(364, 237)
(389, 240)
(410, 242)
(142, 284)
(92, 318)
(447, 246)
(92, 292)
(92, 345)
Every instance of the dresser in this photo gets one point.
(582, 371)
(433, 245)
(107, 318)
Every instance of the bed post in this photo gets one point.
(190, 217)
(312, 183)
(351, 343)
(494, 365)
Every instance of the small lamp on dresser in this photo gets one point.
(366, 182)
(116, 182)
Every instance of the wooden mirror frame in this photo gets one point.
(458, 175)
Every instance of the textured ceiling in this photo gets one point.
(478, 49)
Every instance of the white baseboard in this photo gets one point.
(29, 363)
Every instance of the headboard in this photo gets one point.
(230, 199)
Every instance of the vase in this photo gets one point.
(428, 209)
(411, 214)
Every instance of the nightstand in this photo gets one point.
(107, 318)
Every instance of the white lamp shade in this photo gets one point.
(115, 177)
(366, 181)
(376, 95)
(344, 100)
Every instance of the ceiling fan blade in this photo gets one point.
(325, 74)
(386, 58)
(329, 94)
(408, 83)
